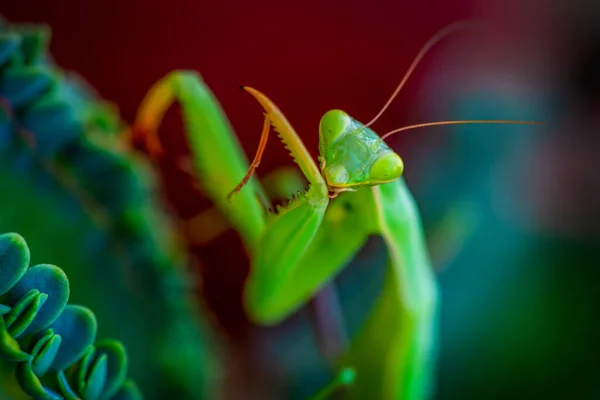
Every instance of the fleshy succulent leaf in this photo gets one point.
(77, 326)
(50, 280)
(14, 259)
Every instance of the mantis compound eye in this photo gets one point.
(386, 168)
(333, 125)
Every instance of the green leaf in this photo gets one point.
(24, 312)
(65, 387)
(14, 260)
(21, 85)
(9, 43)
(90, 374)
(116, 183)
(32, 385)
(50, 280)
(9, 347)
(77, 326)
(52, 122)
(95, 379)
(44, 352)
(35, 40)
(116, 367)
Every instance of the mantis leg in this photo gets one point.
(218, 158)
(343, 232)
(275, 244)
(208, 225)
(319, 193)
(271, 292)
(261, 148)
(395, 352)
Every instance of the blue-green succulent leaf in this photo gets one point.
(9, 42)
(65, 387)
(20, 307)
(44, 352)
(32, 385)
(96, 378)
(116, 368)
(9, 347)
(53, 124)
(25, 312)
(50, 280)
(77, 326)
(34, 45)
(14, 259)
(20, 86)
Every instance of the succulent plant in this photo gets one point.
(89, 205)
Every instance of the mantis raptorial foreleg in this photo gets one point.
(275, 248)
(289, 234)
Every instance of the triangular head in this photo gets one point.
(352, 155)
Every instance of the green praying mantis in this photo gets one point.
(355, 191)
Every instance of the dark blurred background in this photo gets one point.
(511, 212)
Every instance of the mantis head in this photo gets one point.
(353, 155)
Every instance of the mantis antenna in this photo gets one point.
(461, 122)
(441, 34)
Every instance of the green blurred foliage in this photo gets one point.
(90, 206)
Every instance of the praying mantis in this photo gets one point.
(355, 191)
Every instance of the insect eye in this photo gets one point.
(333, 125)
(386, 168)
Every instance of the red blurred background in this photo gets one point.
(308, 57)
